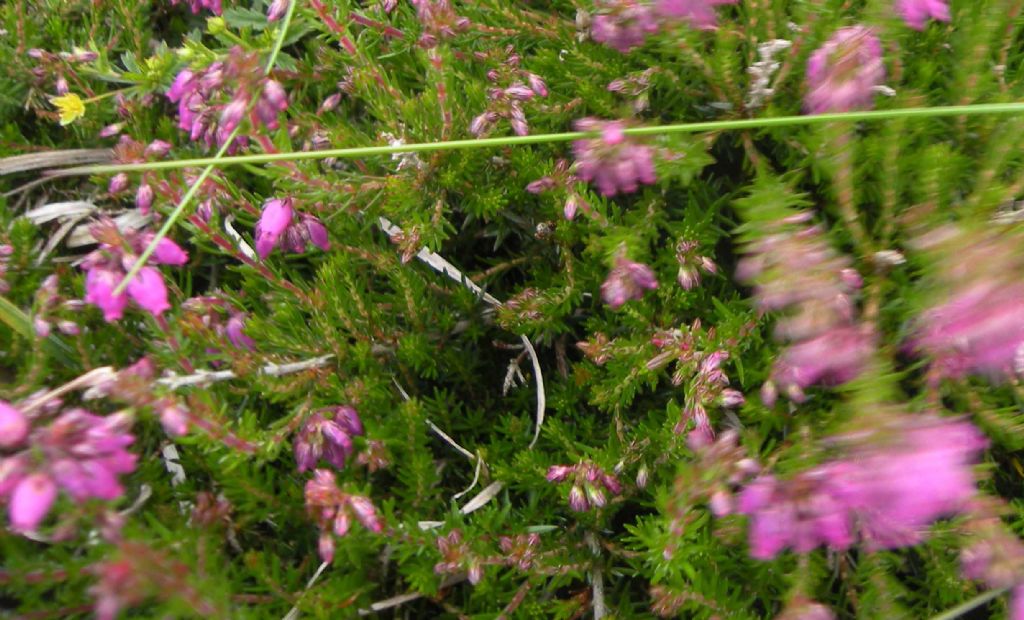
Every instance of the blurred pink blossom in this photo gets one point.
(842, 74)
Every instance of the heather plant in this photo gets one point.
(511, 309)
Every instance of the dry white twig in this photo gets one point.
(204, 377)
(243, 247)
(476, 476)
(451, 442)
(440, 264)
(94, 377)
(481, 498)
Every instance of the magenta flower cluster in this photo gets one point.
(916, 13)
(199, 5)
(456, 555)
(626, 24)
(885, 492)
(327, 434)
(107, 266)
(333, 511)
(614, 162)
(200, 93)
(589, 484)
(977, 324)
(279, 226)
(507, 102)
(79, 452)
(627, 280)
(794, 268)
(844, 74)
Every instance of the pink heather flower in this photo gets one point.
(275, 219)
(699, 13)
(167, 252)
(801, 513)
(589, 484)
(100, 283)
(14, 425)
(977, 326)
(198, 5)
(327, 436)
(832, 358)
(78, 452)
(842, 74)
(439, 20)
(918, 471)
(333, 511)
(174, 420)
(148, 290)
(916, 12)
(144, 198)
(31, 501)
(118, 183)
(236, 333)
(627, 280)
(277, 9)
(623, 24)
(794, 269)
(612, 161)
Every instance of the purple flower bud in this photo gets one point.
(62, 87)
(520, 92)
(157, 148)
(148, 290)
(277, 10)
(236, 333)
(348, 419)
(174, 420)
(699, 13)
(558, 473)
(231, 116)
(843, 73)
(274, 93)
(595, 495)
(275, 219)
(184, 83)
(144, 198)
(720, 503)
(578, 499)
(118, 183)
(732, 398)
(330, 102)
(99, 291)
(41, 326)
(341, 524)
(538, 85)
(482, 123)
(305, 455)
(316, 232)
(475, 573)
(31, 501)
(572, 204)
(167, 252)
(14, 425)
(917, 12)
(111, 130)
(68, 328)
(365, 513)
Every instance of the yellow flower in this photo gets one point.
(70, 106)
